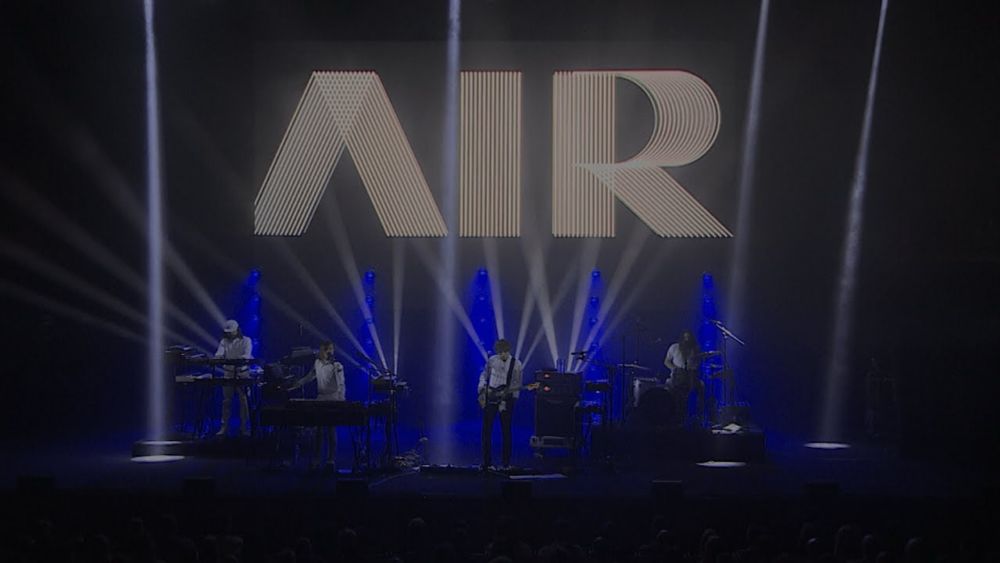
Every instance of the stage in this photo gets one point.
(789, 471)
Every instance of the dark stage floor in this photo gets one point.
(865, 470)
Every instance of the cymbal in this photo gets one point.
(634, 366)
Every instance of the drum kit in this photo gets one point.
(650, 397)
(655, 399)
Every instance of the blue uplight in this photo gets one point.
(248, 309)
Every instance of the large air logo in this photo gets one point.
(351, 110)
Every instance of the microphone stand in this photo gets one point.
(726, 336)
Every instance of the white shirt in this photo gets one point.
(675, 357)
(233, 349)
(495, 374)
(329, 380)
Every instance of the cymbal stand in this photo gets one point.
(638, 328)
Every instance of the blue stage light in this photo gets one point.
(248, 309)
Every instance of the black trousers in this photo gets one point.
(506, 418)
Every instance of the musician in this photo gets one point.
(683, 359)
(329, 376)
(234, 345)
(499, 388)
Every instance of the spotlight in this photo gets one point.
(155, 448)
(844, 313)
(722, 464)
(370, 276)
(595, 274)
(827, 445)
(482, 272)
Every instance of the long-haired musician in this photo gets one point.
(683, 359)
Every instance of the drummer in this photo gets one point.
(683, 359)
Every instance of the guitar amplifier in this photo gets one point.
(556, 416)
(557, 384)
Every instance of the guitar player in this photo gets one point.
(499, 388)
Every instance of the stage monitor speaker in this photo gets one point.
(821, 491)
(515, 491)
(666, 490)
(353, 489)
(198, 487)
(35, 485)
(555, 416)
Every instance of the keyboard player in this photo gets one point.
(329, 376)
(233, 346)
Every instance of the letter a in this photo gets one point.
(349, 110)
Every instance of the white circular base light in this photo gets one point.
(157, 458)
(722, 464)
(827, 445)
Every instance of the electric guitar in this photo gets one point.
(494, 395)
